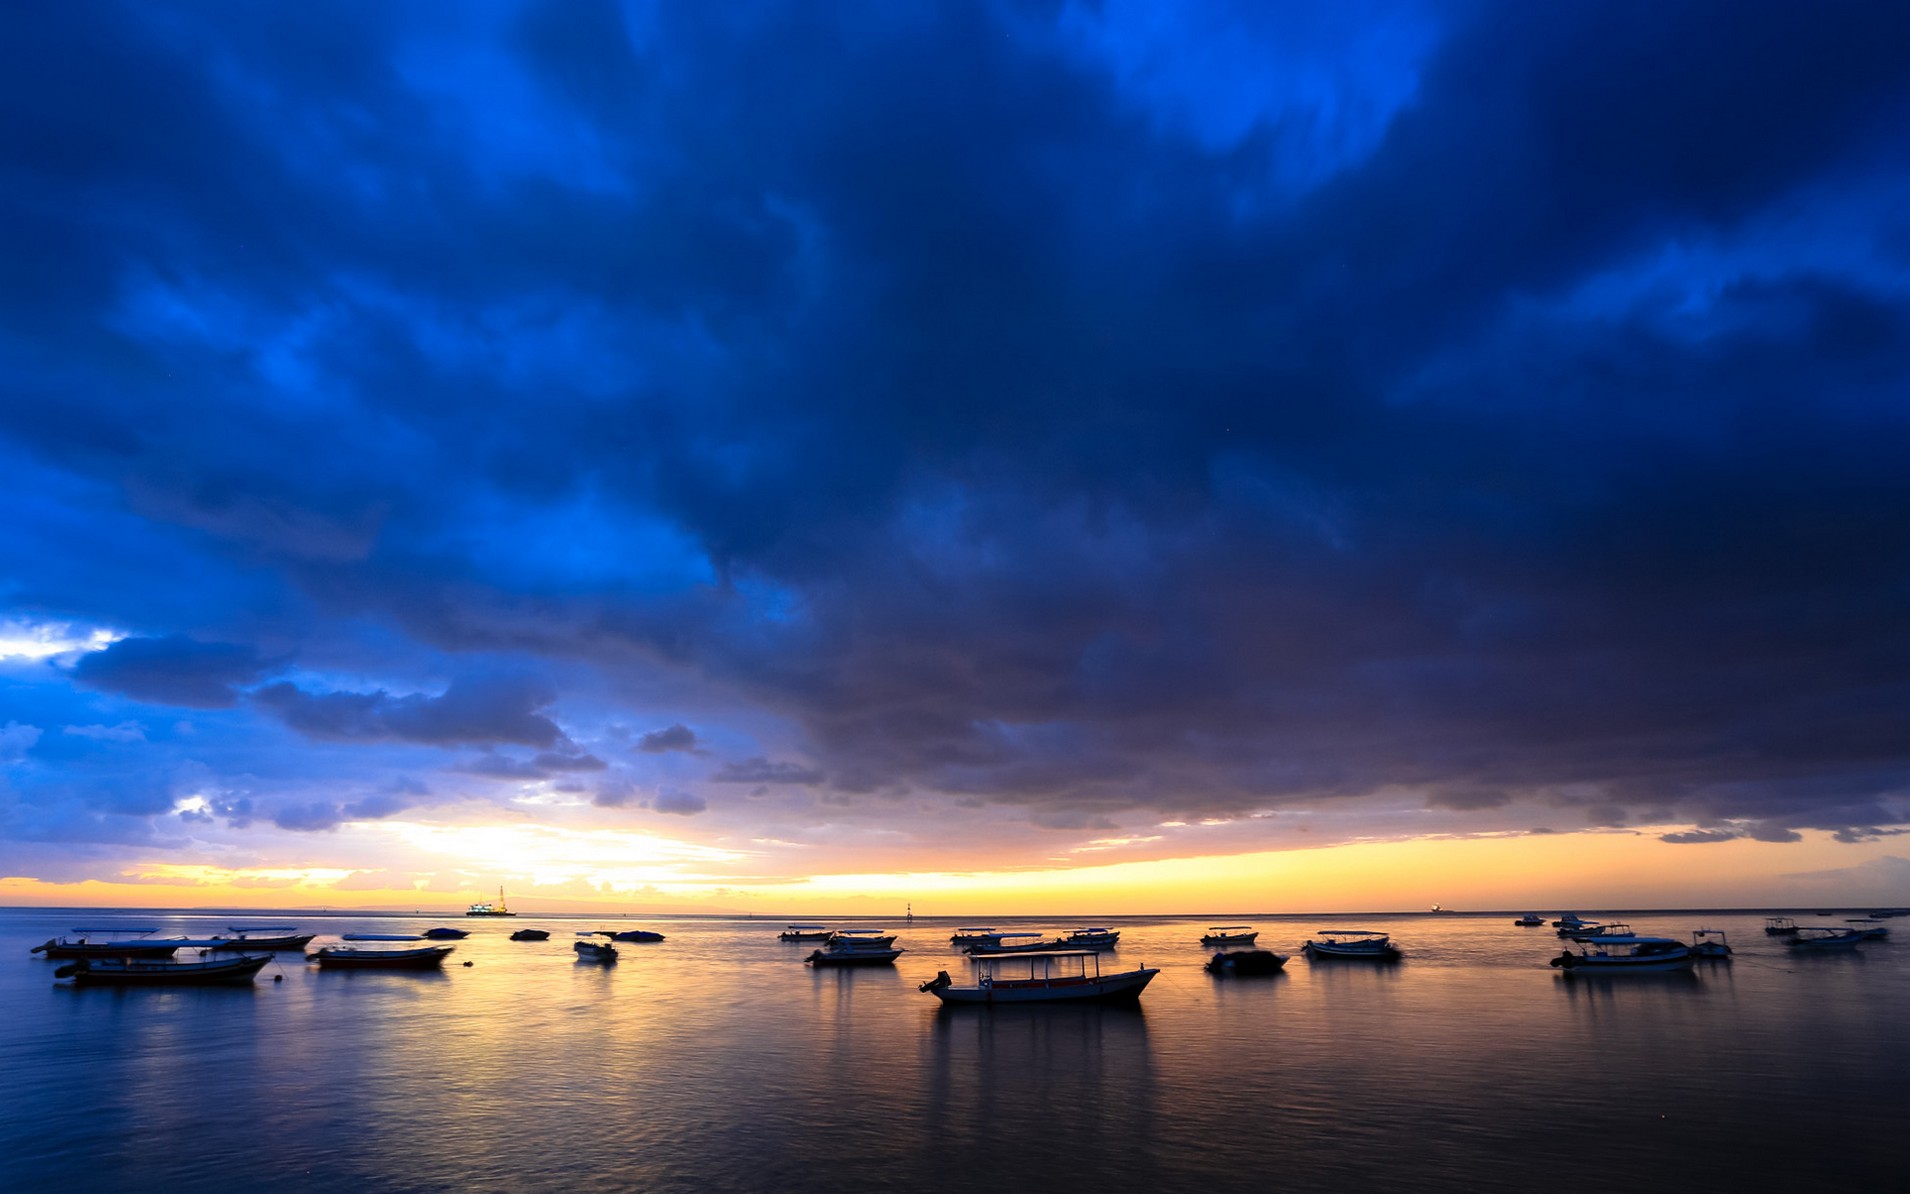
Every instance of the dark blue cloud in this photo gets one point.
(174, 670)
(1096, 411)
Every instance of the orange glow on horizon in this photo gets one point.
(549, 870)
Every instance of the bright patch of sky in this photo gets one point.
(1324, 81)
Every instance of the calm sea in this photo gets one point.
(718, 1061)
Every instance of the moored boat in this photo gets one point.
(531, 935)
(1356, 944)
(1530, 920)
(443, 934)
(1050, 976)
(1092, 938)
(840, 953)
(1229, 935)
(595, 951)
(1571, 921)
(1634, 955)
(1013, 943)
(640, 935)
(1779, 926)
(974, 935)
(281, 937)
(1710, 945)
(1811, 938)
(860, 939)
(141, 945)
(345, 957)
(1246, 961)
(154, 972)
(1871, 928)
(1615, 930)
(806, 933)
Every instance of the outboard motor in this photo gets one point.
(940, 980)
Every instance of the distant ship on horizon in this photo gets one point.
(486, 908)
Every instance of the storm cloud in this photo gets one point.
(1489, 411)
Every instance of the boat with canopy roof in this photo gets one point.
(1049, 976)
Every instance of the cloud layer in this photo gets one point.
(1426, 420)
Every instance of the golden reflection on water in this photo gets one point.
(717, 1060)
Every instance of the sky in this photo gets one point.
(989, 457)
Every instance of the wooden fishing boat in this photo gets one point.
(1530, 920)
(594, 951)
(838, 953)
(1092, 938)
(975, 935)
(1710, 945)
(284, 937)
(531, 935)
(1013, 943)
(1051, 976)
(640, 935)
(1814, 938)
(806, 933)
(1229, 935)
(140, 945)
(337, 957)
(1634, 955)
(152, 972)
(861, 939)
(1246, 961)
(1779, 926)
(1354, 944)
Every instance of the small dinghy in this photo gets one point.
(595, 951)
(531, 935)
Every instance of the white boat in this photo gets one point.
(1530, 920)
(1615, 930)
(1822, 937)
(1361, 944)
(595, 951)
(1571, 923)
(839, 953)
(1634, 955)
(1050, 976)
(860, 939)
(487, 908)
(1229, 935)
(1710, 944)
(806, 933)
(1092, 939)
(1013, 943)
(975, 935)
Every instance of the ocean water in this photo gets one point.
(717, 1061)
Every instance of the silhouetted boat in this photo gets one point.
(447, 934)
(141, 945)
(531, 935)
(1092, 939)
(1570, 922)
(1013, 943)
(644, 935)
(337, 957)
(806, 933)
(1052, 976)
(974, 935)
(1634, 955)
(1355, 944)
(1530, 920)
(859, 948)
(1709, 944)
(595, 951)
(1810, 938)
(486, 908)
(1246, 961)
(287, 938)
(1871, 928)
(147, 972)
(1229, 935)
(1779, 926)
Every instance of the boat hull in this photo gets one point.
(853, 957)
(1107, 988)
(1582, 966)
(104, 949)
(531, 935)
(266, 944)
(1246, 962)
(1213, 939)
(430, 958)
(1316, 952)
(135, 972)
